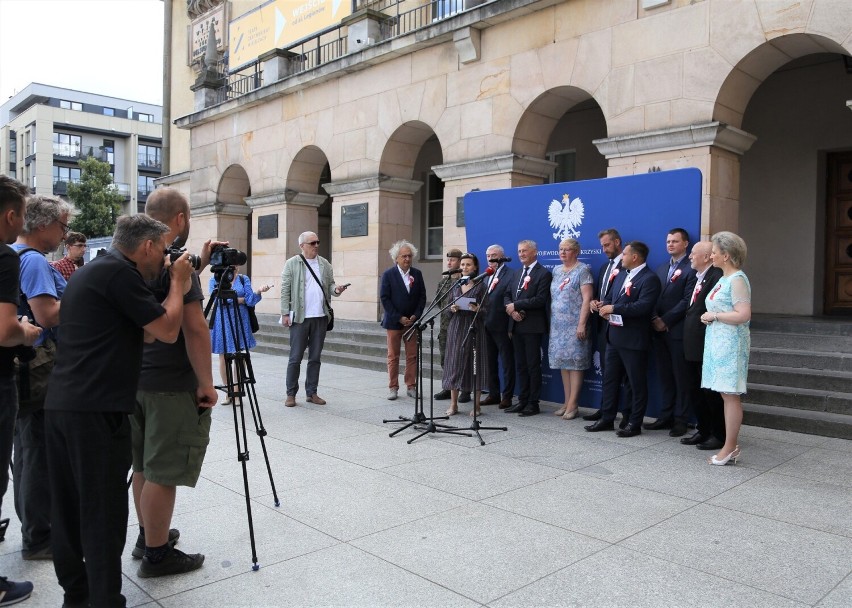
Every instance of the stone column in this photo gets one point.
(490, 173)
(361, 260)
(715, 148)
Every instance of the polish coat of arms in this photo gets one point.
(565, 217)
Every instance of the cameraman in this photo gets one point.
(45, 225)
(171, 420)
(106, 312)
(13, 332)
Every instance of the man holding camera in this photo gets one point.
(171, 421)
(13, 333)
(106, 311)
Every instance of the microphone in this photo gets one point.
(465, 280)
(501, 260)
(449, 272)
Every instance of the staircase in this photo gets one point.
(800, 372)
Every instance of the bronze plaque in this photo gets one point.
(267, 226)
(353, 220)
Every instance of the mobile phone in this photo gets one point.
(270, 286)
(344, 286)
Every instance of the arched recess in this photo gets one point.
(234, 186)
(234, 225)
(402, 149)
(308, 172)
(560, 125)
(792, 95)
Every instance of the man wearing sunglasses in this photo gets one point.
(45, 226)
(306, 283)
(75, 249)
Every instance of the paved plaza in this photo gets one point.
(542, 515)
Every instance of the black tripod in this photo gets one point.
(239, 382)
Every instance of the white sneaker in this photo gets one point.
(412, 392)
(393, 394)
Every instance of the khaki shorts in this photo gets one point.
(170, 437)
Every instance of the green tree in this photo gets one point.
(96, 198)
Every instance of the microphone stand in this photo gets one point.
(471, 335)
(419, 416)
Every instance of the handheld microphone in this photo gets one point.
(447, 273)
(488, 272)
(501, 260)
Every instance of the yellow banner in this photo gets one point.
(279, 23)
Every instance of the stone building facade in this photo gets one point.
(508, 93)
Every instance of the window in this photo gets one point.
(144, 186)
(149, 157)
(109, 112)
(70, 105)
(65, 144)
(434, 224)
(145, 117)
(62, 176)
(109, 151)
(566, 164)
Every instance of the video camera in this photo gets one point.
(222, 257)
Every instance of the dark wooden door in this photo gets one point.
(838, 235)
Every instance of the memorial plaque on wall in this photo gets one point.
(460, 211)
(353, 220)
(267, 226)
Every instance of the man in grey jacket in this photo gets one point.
(305, 310)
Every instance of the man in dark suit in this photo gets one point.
(527, 301)
(610, 241)
(498, 344)
(403, 296)
(628, 308)
(707, 404)
(678, 281)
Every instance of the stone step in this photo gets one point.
(814, 400)
(827, 326)
(826, 424)
(802, 342)
(783, 357)
(797, 377)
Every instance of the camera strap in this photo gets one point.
(24, 306)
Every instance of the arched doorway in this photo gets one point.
(232, 212)
(308, 173)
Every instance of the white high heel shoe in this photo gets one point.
(723, 461)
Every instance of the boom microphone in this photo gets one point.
(501, 260)
(449, 272)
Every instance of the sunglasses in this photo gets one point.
(312, 243)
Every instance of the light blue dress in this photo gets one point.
(565, 351)
(242, 286)
(726, 347)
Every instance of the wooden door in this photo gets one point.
(838, 235)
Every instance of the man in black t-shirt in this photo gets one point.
(13, 332)
(105, 312)
(171, 419)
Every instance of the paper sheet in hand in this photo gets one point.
(464, 303)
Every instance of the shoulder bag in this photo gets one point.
(255, 326)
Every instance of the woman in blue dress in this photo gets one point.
(570, 349)
(223, 341)
(728, 338)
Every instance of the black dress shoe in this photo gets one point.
(630, 431)
(505, 402)
(517, 408)
(445, 394)
(464, 397)
(658, 425)
(599, 426)
(593, 416)
(710, 444)
(678, 429)
(625, 420)
(694, 439)
(490, 400)
(529, 411)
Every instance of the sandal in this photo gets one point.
(451, 412)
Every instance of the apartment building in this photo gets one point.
(46, 130)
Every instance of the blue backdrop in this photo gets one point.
(641, 207)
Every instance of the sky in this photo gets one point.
(110, 47)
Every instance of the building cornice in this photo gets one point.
(217, 208)
(495, 165)
(381, 182)
(287, 196)
(715, 134)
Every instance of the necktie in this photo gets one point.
(672, 266)
(523, 276)
(605, 286)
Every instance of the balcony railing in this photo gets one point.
(149, 162)
(122, 189)
(142, 195)
(77, 152)
(60, 187)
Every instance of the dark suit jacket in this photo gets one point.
(534, 301)
(636, 309)
(693, 328)
(674, 296)
(600, 322)
(496, 319)
(397, 301)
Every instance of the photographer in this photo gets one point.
(13, 332)
(170, 432)
(106, 312)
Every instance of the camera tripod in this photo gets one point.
(239, 381)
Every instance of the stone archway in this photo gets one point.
(232, 214)
(307, 175)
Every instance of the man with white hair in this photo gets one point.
(306, 282)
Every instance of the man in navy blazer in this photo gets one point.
(678, 280)
(498, 344)
(707, 404)
(527, 301)
(403, 296)
(628, 308)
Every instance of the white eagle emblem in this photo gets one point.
(565, 217)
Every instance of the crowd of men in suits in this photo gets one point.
(638, 313)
